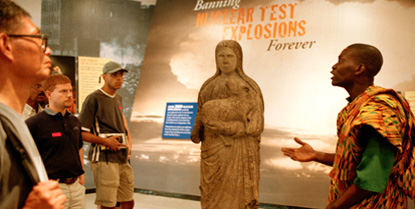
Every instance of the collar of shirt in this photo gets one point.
(53, 113)
(109, 95)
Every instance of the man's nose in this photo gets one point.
(334, 66)
(48, 51)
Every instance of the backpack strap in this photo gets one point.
(22, 154)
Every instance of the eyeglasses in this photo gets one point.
(44, 38)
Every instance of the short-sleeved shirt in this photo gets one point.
(15, 184)
(58, 138)
(29, 111)
(373, 170)
(102, 113)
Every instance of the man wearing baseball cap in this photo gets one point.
(105, 127)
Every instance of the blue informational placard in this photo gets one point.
(179, 120)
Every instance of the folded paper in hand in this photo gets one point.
(121, 139)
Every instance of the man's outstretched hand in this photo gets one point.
(305, 153)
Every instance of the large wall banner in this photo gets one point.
(289, 48)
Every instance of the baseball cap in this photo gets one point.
(112, 67)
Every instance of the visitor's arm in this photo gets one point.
(325, 158)
(352, 195)
(81, 157)
(110, 142)
(130, 143)
(373, 170)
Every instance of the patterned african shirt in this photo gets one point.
(389, 114)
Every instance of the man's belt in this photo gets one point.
(68, 180)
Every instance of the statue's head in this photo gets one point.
(235, 48)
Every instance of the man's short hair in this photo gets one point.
(50, 83)
(368, 55)
(10, 16)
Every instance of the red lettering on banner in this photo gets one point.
(274, 22)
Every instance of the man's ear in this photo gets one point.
(6, 46)
(47, 94)
(360, 69)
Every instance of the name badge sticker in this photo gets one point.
(56, 134)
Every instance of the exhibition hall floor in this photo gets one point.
(146, 201)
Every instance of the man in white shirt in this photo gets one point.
(36, 101)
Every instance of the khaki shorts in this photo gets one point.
(75, 195)
(114, 183)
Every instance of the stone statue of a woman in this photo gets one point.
(229, 123)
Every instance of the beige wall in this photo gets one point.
(33, 7)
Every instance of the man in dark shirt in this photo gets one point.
(105, 127)
(57, 134)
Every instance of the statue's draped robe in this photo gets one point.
(230, 157)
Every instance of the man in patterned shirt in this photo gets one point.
(374, 159)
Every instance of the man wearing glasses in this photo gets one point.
(24, 61)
